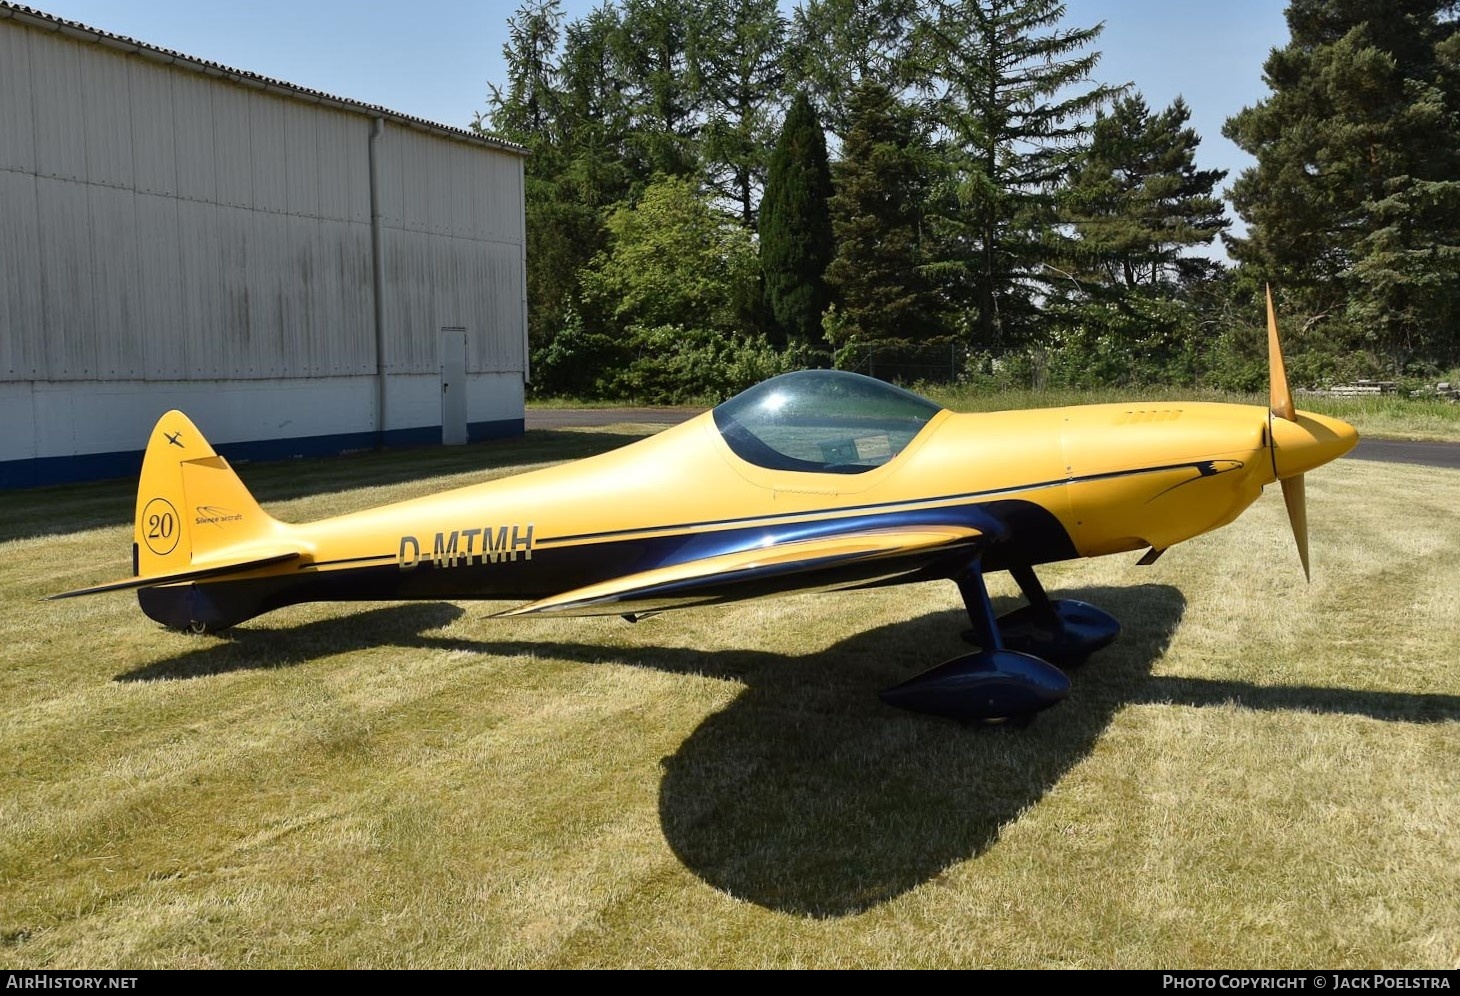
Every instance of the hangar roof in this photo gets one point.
(40, 20)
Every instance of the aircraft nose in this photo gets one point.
(1310, 442)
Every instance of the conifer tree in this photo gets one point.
(999, 73)
(1355, 198)
(795, 228)
(1138, 201)
(884, 295)
(838, 44)
(657, 45)
(743, 74)
(527, 111)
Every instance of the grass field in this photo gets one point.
(1260, 772)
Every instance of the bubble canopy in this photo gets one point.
(822, 421)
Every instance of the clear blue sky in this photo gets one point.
(434, 58)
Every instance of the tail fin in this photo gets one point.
(190, 503)
(195, 519)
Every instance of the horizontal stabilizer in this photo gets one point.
(177, 577)
(860, 557)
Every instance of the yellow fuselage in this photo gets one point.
(1114, 477)
(1014, 489)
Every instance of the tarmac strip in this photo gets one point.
(1426, 452)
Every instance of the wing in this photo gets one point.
(864, 557)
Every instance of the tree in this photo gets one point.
(528, 111)
(1013, 136)
(1138, 201)
(524, 110)
(673, 259)
(1136, 205)
(656, 46)
(884, 295)
(743, 74)
(562, 102)
(665, 303)
(795, 228)
(1354, 202)
(838, 44)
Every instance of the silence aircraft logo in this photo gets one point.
(216, 515)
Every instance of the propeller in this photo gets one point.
(1280, 404)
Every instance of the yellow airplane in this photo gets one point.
(812, 480)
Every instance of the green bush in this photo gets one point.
(577, 361)
(673, 365)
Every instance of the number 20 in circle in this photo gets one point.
(159, 525)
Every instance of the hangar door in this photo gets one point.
(453, 386)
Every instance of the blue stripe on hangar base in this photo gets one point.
(43, 471)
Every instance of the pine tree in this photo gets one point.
(1354, 200)
(998, 72)
(656, 46)
(884, 296)
(1138, 201)
(524, 110)
(527, 111)
(838, 44)
(1136, 205)
(795, 228)
(742, 74)
(562, 100)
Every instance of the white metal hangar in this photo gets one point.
(298, 272)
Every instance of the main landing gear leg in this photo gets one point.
(980, 608)
(994, 684)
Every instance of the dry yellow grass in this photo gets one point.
(1259, 773)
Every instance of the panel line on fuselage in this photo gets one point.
(845, 511)
(849, 510)
(810, 518)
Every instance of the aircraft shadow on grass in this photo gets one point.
(806, 794)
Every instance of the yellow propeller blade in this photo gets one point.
(1281, 398)
(1294, 497)
(1281, 405)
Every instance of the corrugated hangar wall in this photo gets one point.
(276, 263)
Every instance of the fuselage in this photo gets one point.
(1039, 485)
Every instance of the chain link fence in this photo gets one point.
(938, 362)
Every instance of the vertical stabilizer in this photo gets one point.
(190, 503)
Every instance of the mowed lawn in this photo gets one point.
(1260, 772)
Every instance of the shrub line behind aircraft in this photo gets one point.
(817, 480)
